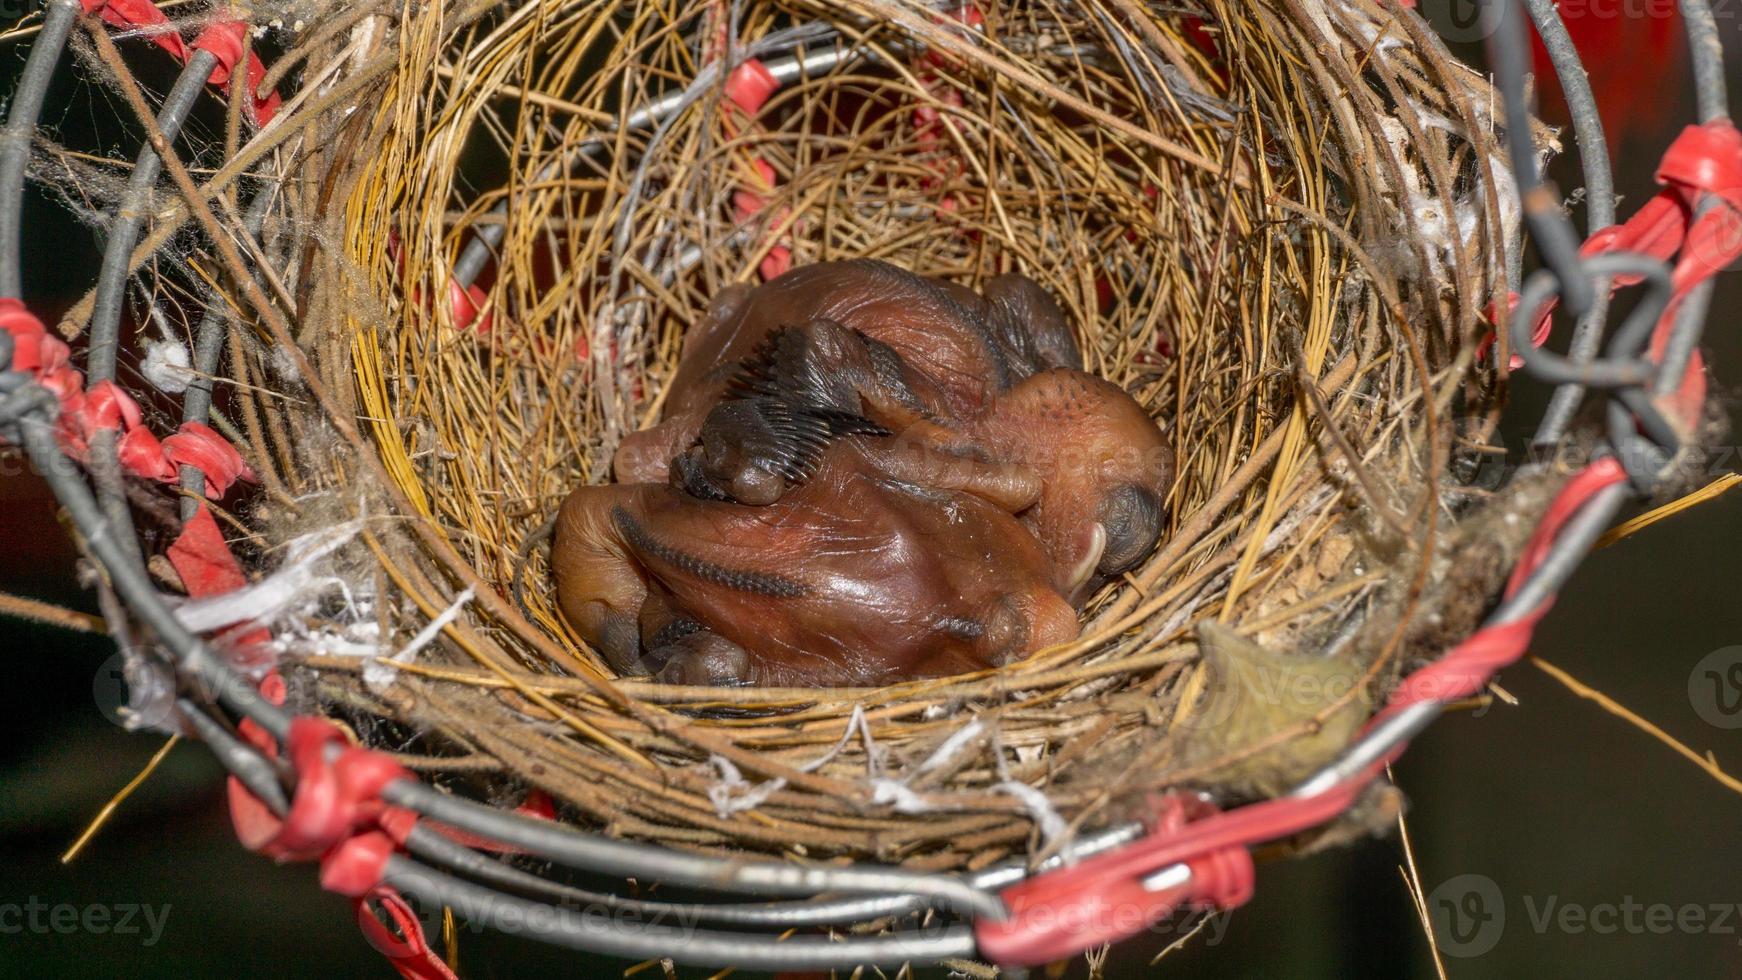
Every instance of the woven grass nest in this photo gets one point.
(1277, 224)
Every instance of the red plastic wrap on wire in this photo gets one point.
(1703, 160)
(749, 87)
(1057, 915)
(198, 446)
(104, 406)
(227, 39)
(223, 38)
(464, 302)
(336, 817)
(203, 560)
(141, 16)
(336, 805)
(408, 951)
(38, 352)
(1105, 899)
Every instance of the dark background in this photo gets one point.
(1552, 801)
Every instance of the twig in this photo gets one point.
(38, 611)
(115, 801)
(1609, 704)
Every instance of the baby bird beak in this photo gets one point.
(1128, 527)
(1083, 572)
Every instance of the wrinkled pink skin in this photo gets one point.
(1081, 436)
(849, 579)
(926, 321)
(901, 557)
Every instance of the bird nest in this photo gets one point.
(1276, 224)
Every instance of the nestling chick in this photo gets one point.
(863, 476)
(995, 379)
(851, 578)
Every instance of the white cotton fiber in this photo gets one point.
(167, 366)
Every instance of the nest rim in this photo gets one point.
(595, 706)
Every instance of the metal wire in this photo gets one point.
(256, 772)
(1556, 242)
(1622, 367)
(431, 846)
(26, 414)
(888, 891)
(490, 232)
(631, 859)
(130, 215)
(195, 660)
(1706, 55)
(588, 930)
(196, 404)
(1599, 203)
(123, 233)
(57, 23)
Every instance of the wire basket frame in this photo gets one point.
(1009, 913)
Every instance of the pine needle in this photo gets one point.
(1710, 491)
(48, 613)
(1412, 881)
(115, 801)
(1609, 704)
